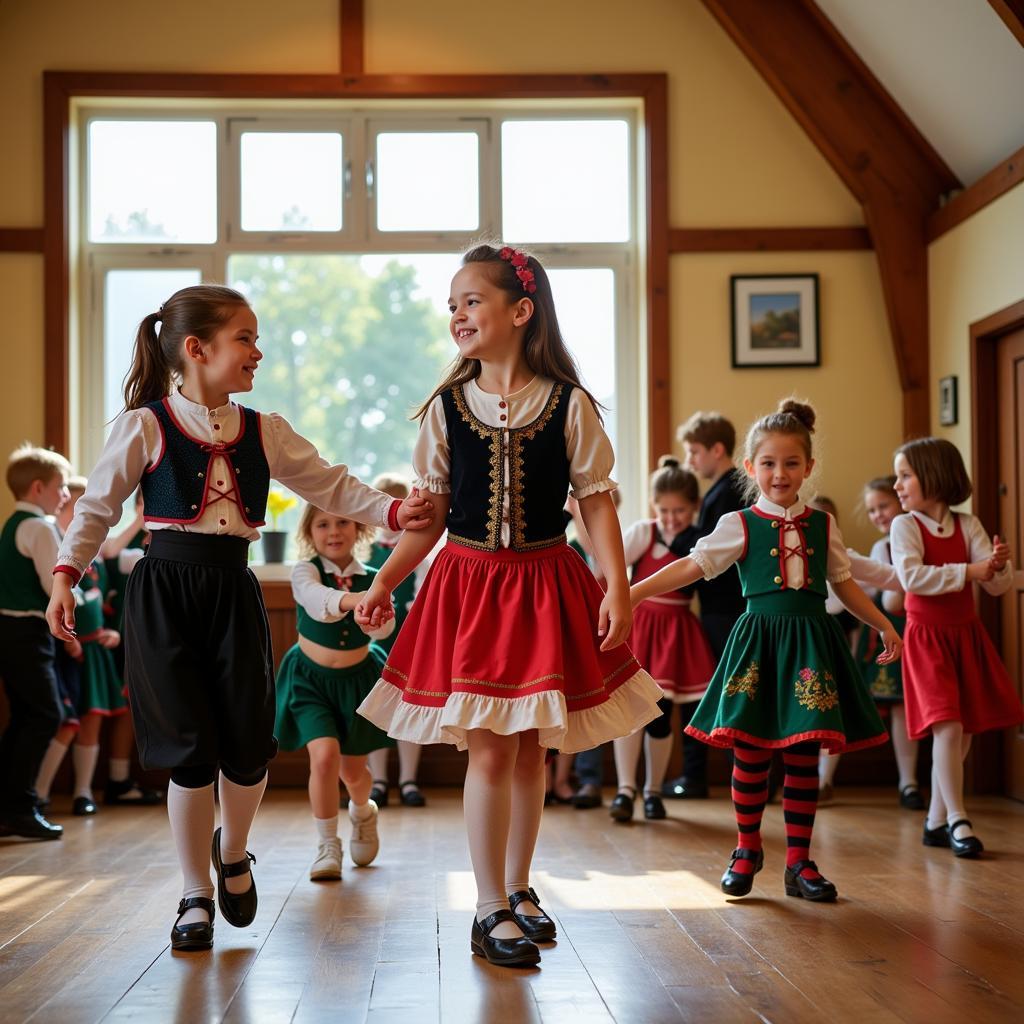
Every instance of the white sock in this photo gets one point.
(904, 748)
(827, 765)
(948, 773)
(119, 769)
(238, 807)
(48, 769)
(378, 762)
(326, 828)
(408, 760)
(657, 751)
(84, 759)
(627, 753)
(359, 812)
(191, 815)
(527, 808)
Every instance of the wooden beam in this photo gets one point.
(1012, 13)
(768, 239)
(21, 239)
(352, 36)
(1006, 175)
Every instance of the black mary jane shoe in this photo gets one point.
(739, 883)
(935, 836)
(683, 788)
(411, 795)
(911, 799)
(130, 793)
(971, 846)
(517, 952)
(238, 908)
(193, 937)
(818, 890)
(379, 793)
(30, 825)
(83, 806)
(536, 927)
(622, 806)
(654, 809)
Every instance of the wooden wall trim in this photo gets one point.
(1012, 13)
(351, 23)
(830, 239)
(1008, 174)
(21, 239)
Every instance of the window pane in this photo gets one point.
(585, 302)
(291, 181)
(129, 295)
(152, 181)
(579, 193)
(428, 181)
(351, 345)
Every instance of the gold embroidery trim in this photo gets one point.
(517, 474)
(746, 683)
(620, 669)
(497, 483)
(507, 686)
(814, 692)
(391, 668)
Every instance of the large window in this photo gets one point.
(343, 228)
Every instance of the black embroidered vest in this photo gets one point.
(538, 475)
(177, 488)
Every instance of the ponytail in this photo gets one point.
(149, 378)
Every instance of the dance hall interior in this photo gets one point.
(411, 407)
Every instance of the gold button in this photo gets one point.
(778, 579)
(773, 552)
(199, 475)
(194, 507)
(809, 581)
(775, 524)
(810, 551)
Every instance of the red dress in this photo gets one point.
(667, 638)
(951, 670)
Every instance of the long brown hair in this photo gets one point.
(544, 348)
(157, 358)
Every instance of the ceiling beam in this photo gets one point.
(829, 239)
(1012, 13)
(871, 144)
(352, 27)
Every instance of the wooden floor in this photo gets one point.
(645, 934)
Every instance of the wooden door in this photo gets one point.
(1010, 419)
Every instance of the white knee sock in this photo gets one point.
(238, 807)
(524, 827)
(948, 773)
(48, 769)
(119, 768)
(827, 765)
(408, 760)
(903, 747)
(627, 753)
(84, 759)
(657, 751)
(487, 807)
(378, 762)
(191, 815)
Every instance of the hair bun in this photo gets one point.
(668, 461)
(799, 410)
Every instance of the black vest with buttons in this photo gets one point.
(176, 489)
(538, 475)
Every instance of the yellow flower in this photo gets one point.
(278, 503)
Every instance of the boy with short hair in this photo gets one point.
(29, 543)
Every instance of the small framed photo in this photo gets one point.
(948, 412)
(775, 320)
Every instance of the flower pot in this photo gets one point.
(273, 545)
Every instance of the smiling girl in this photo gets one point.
(198, 661)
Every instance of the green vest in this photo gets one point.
(761, 567)
(343, 635)
(89, 615)
(20, 589)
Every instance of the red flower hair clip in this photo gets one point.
(520, 261)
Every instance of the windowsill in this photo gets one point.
(272, 572)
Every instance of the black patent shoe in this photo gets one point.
(518, 952)
(30, 825)
(379, 793)
(969, 847)
(83, 807)
(935, 836)
(911, 799)
(411, 795)
(193, 937)
(819, 890)
(129, 792)
(654, 809)
(622, 806)
(536, 927)
(238, 908)
(739, 883)
(683, 788)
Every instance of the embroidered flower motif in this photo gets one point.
(816, 693)
(884, 684)
(746, 683)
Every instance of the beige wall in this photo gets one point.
(737, 159)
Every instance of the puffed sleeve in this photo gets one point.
(590, 452)
(133, 443)
(908, 557)
(321, 603)
(431, 460)
(979, 547)
(635, 540)
(721, 548)
(838, 568)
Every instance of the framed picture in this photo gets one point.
(775, 320)
(948, 412)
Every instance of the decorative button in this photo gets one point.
(774, 552)
(194, 507)
(220, 483)
(775, 524)
(778, 579)
(501, 405)
(810, 580)
(216, 426)
(503, 416)
(223, 522)
(810, 551)
(246, 508)
(200, 475)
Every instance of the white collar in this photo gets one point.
(516, 396)
(187, 405)
(794, 511)
(27, 506)
(942, 528)
(354, 567)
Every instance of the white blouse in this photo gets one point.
(636, 539)
(590, 452)
(135, 442)
(37, 539)
(324, 603)
(892, 597)
(724, 547)
(930, 580)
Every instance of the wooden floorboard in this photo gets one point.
(645, 934)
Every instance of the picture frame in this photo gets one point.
(775, 320)
(949, 413)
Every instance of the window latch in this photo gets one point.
(369, 179)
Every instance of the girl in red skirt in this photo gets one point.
(511, 647)
(954, 683)
(667, 638)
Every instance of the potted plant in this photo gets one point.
(274, 539)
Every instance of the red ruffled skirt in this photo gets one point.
(507, 641)
(669, 641)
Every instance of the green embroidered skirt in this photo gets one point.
(884, 682)
(787, 676)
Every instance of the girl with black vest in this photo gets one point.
(511, 648)
(325, 677)
(198, 661)
(786, 679)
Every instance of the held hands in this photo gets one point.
(893, 647)
(60, 612)
(615, 618)
(415, 513)
(108, 638)
(375, 608)
(980, 572)
(1000, 554)
(74, 649)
